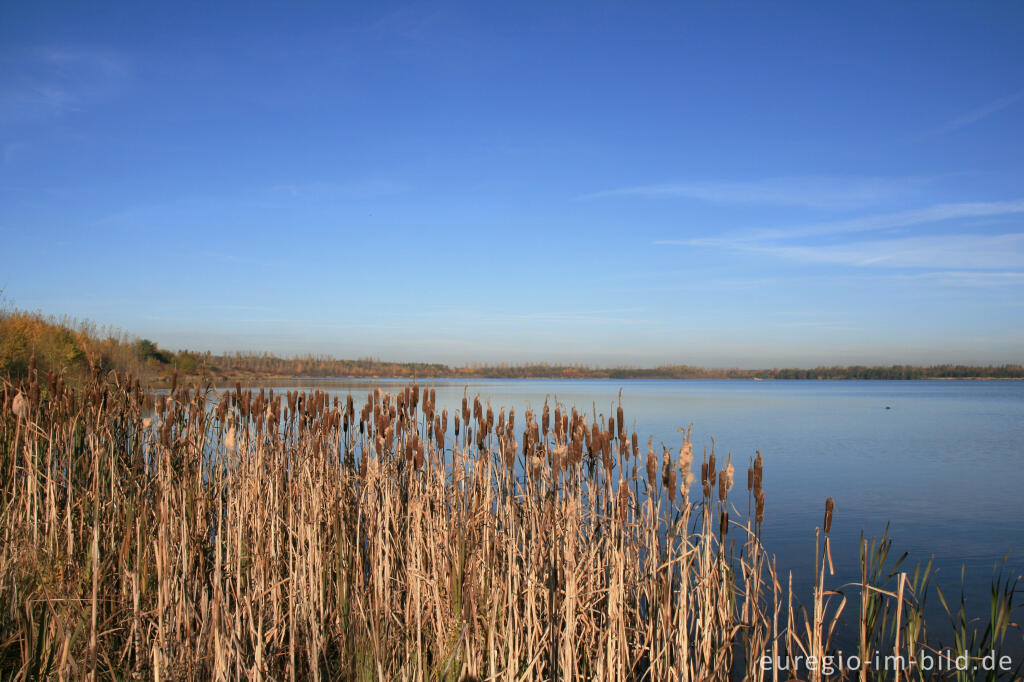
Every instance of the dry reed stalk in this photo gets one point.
(268, 538)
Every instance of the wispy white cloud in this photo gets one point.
(883, 221)
(810, 191)
(970, 278)
(58, 80)
(979, 113)
(952, 252)
(959, 251)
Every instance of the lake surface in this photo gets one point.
(944, 466)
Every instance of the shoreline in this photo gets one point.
(229, 380)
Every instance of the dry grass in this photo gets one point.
(285, 537)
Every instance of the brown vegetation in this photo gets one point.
(252, 535)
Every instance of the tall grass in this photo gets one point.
(254, 535)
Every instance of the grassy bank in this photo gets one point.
(148, 536)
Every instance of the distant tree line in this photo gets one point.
(74, 348)
(325, 366)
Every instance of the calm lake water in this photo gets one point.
(944, 466)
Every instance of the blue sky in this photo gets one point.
(724, 184)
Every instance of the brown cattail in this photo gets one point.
(685, 465)
(536, 464)
(509, 446)
(606, 453)
(725, 482)
(758, 471)
(558, 455)
(652, 463)
(19, 406)
(829, 505)
(759, 502)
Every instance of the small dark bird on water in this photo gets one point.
(887, 407)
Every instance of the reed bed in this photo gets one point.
(193, 534)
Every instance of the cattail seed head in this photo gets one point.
(652, 464)
(509, 446)
(685, 466)
(829, 505)
(725, 481)
(19, 406)
(758, 471)
(536, 465)
(33, 394)
(558, 455)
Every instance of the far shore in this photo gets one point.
(229, 380)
